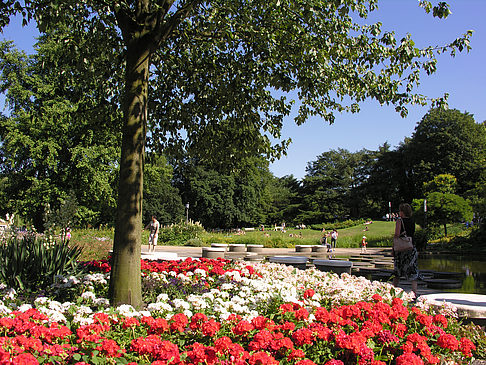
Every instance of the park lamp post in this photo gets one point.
(187, 213)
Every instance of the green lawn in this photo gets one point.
(379, 234)
(97, 243)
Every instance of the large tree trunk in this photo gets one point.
(125, 282)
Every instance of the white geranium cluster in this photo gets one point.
(246, 295)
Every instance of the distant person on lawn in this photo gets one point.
(154, 233)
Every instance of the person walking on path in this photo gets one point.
(406, 262)
(154, 233)
(363, 244)
(334, 237)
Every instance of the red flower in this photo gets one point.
(309, 293)
(301, 314)
(24, 359)
(261, 322)
(295, 354)
(303, 336)
(197, 320)
(377, 298)
(322, 315)
(409, 359)
(386, 337)
(110, 348)
(286, 326)
(262, 358)
(261, 341)
(242, 328)
(448, 341)
(467, 347)
(130, 322)
(334, 362)
(168, 352)
(201, 354)
(179, 322)
(159, 326)
(210, 328)
(320, 331)
(440, 319)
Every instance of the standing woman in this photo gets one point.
(406, 262)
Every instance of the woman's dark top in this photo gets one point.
(409, 224)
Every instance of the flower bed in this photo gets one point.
(222, 312)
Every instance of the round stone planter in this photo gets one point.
(319, 248)
(254, 248)
(295, 261)
(335, 266)
(237, 247)
(213, 252)
(471, 306)
(220, 245)
(303, 248)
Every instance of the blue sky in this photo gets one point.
(463, 77)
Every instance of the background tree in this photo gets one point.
(60, 135)
(253, 46)
(446, 142)
(445, 208)
(160, 197)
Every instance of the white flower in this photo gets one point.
(160, 307)
(88, 295)
(41, 300)
(24, 307)
(162, 297)
(4, 310)
(180, 303)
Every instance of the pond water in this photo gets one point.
(473, 268)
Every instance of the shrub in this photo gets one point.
(31, 262)
(180, 233)
(337, 225)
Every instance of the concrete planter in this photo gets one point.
(237, 247)
(295, 261)
(303, 248)
(335, 266)
(254, 248)
(220, 245)
(213, 252)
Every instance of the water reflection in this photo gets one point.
(473, 267)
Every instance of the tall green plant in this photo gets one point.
(30, 262)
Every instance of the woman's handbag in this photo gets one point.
(403, 242)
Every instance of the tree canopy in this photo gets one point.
(192, 67)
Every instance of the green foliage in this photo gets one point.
(445, 142)
(444, 208)
(443, 183)
(160, 197)
(338, 225)
(178, 234)
(64, 216)
(31, 262)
